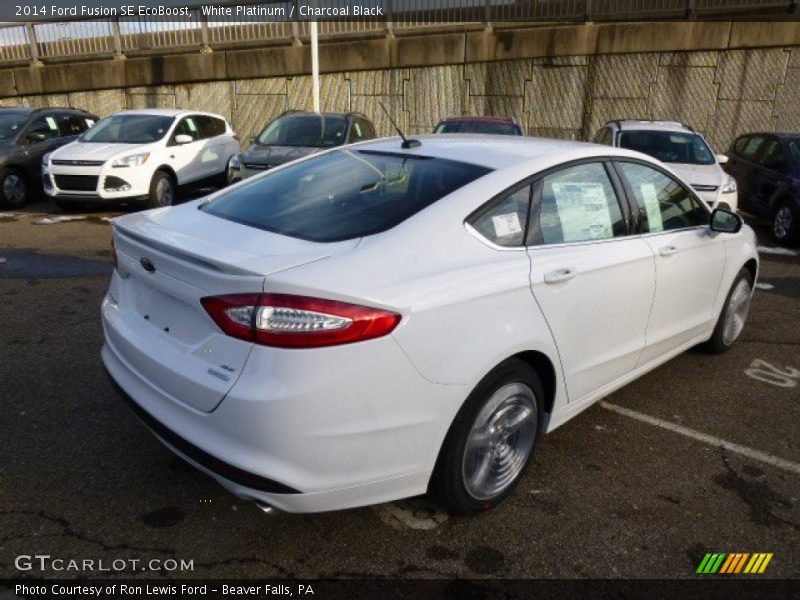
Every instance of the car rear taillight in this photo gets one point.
(288, 321)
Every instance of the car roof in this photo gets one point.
(643, 124)
(484, 119)
(779, 134)
(496, 151)
(167, 112)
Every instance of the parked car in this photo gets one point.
(767, 168)
(26, 134)
(490, 125)
(140, 156)
(374, 322)
(683, 149)
(295, 134)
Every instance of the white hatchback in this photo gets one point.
(379, 321)
(140, 156)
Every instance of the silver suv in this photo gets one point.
(683, 149)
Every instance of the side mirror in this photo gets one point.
(725, 221)
(722, 158)
(36, 136)
(183, 138)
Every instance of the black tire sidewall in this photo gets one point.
(716, 344)
(153, 200)
(447, 484)
(791, 236)
(5, 201)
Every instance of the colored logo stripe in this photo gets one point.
(721, 562)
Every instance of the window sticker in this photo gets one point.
(191, 125)
(51, 123)
(507, 224)
(652, 207)
(89, 122)
(583, 211)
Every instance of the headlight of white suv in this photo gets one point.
(730, 186)
(132, 160)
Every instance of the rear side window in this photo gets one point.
(664, 204)
(505, 220)
(209, 126)
(343, 194)
(71, 124)
(577, 204)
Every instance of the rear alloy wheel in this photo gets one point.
(785, 223)
(162, 190)
(734, 314)
(491, 440)
(13, 189)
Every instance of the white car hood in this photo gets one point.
(700, 174)
(96, 151)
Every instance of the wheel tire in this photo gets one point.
(162, 190)
(720, 340)
(786, 223)
(454, 478)
(14, 191)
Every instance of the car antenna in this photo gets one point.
(406, 142)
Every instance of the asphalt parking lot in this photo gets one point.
(701, 455)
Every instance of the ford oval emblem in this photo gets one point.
(147, 265)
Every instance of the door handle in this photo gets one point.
(667, 250)
(560, 275)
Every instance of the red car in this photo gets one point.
(493, 125)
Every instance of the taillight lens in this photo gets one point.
(288, 321)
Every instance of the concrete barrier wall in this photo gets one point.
(721, 78)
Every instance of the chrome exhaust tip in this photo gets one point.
(266, 508)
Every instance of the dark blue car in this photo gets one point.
(766, 167)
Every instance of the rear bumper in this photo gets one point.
(306, 431)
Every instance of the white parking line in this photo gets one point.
(775, 461)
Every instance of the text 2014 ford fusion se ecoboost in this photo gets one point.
(383, 320)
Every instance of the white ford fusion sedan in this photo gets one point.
(380, 321)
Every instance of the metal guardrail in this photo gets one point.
(41, 41)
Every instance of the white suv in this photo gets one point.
(682, 148)
(140, 156)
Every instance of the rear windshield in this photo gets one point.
(129, 129)
(314, 131)
(342, 195)
(669, 146)
(492, 127)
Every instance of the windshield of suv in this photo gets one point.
(493, 127)
(11, 123)
(669, 146)
(129, 129)
(342, 195)
(308, 130)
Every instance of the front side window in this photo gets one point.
(773, 156)
(505, 220)
(577, 204)
(664, 204)
(128, 129)
(342, 195)
(45, 125)
(669, 146)
(305, 130)
(750, 148)
(188, 126)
